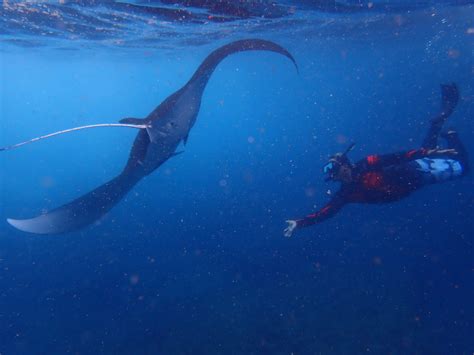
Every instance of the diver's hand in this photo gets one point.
(437, 151)
(291, 227)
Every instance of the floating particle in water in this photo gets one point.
(398, 20)
(47, 182)
(377, 260)
(341, 139)
(310, 191)
(134, 279)
(453, 53)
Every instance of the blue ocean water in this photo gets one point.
(193, 260)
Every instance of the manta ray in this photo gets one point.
(160, 133)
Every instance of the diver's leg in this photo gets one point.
(449, 100)
(454, 142)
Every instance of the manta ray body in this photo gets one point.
(159, 135)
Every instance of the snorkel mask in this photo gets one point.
(335, 162)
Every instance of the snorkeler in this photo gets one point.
(391, 177)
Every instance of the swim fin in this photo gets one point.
(450, 98)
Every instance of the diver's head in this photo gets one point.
(339, 167)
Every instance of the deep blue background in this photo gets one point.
(193, 261)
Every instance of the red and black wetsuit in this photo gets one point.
(375, 179)
(388, 178)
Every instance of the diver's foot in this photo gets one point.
(449, 134)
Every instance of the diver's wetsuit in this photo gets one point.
(387, 178)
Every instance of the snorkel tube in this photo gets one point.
(349, 149)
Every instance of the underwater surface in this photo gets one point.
(193, 259)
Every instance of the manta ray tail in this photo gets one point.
(80, 212)
(207, 67)
(123, 124)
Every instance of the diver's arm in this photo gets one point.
(324, 213)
